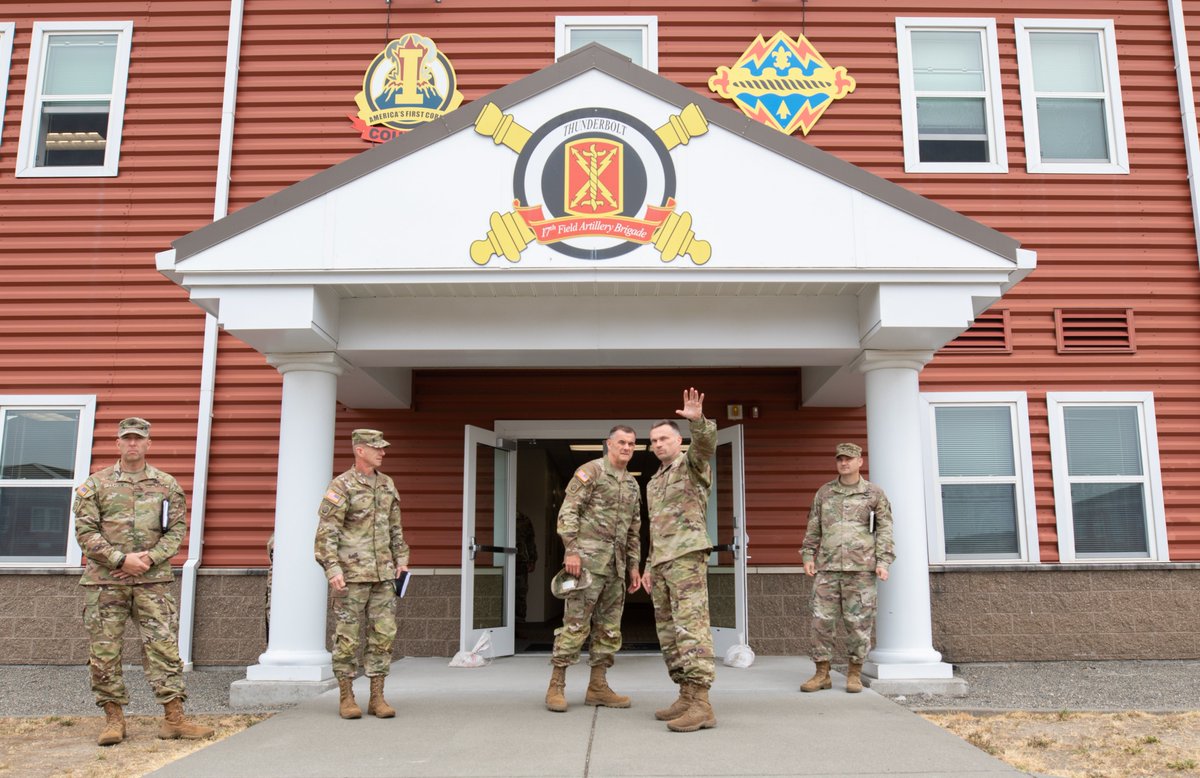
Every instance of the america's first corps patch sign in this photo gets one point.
(593, 183)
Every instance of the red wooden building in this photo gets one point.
(981, 263)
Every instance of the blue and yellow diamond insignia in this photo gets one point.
(782, 83)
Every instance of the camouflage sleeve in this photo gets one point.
(885, 550)
(812, 535)
(87, 527)
(169, 543)
(399, 547)
(633, 542)
(703, 444)
(331, 515)
(579, 494)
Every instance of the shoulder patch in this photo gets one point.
(582, 475)
(85, 489)
(335, 497)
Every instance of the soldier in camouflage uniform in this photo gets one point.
(600, 526)
(847, 546)
(677, 498)
(360, 545)
(526, 560)
(129, 520)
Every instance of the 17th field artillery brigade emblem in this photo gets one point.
(593, 183)
(782, 83)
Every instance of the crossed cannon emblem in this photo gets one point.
(672, 235)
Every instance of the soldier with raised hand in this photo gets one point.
(848, 544)
(600, 526)
(360, 545)
(677, 498)
(129, 520)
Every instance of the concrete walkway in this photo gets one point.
(491, 721)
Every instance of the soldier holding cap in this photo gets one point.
(847, 546)
(360, 545)
(600, 525)
(129, 520)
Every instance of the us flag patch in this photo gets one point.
(84, 490)
(334, 497)
(582, 476)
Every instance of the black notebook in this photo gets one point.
(402, 583)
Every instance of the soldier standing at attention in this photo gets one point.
(360, 545)
(677, 498)
(600, 525)
(129, 521)
(847, 546)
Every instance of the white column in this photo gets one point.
(296, 651)
(904, 630)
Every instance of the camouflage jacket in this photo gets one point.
(358, 530)
(526, 540)
(677, 497)
(601, 518)
(116, 515)
(839, 533)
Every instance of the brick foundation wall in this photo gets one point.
(1062, 612)
(979, 614)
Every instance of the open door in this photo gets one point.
(727, 529)
(489, 541)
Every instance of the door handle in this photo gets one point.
(473, 548)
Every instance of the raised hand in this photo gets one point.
(693, 405)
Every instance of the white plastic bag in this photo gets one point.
(476, 657)
(740, 655)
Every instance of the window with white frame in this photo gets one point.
(45, 450)
(74, 99)
(634, 36)
(7, 31)
(1071, 96)
(950, 100)
(980, 487)
(1107, 486)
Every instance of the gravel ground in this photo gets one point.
(43, 690)
(1152, 686)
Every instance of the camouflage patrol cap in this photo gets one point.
(133, 426)
(564, 583)
(372, 438)
(849, 450)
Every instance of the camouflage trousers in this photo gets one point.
(679, 592)
(370, 606)
(106, 610)
(596, 611)
(849, 597)
(522, 591)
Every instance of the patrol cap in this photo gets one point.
(133, 426)
(564, 583)
(849, 450)
(372, 438)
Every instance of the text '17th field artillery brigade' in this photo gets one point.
(408, 84)
(783, 83)
(592, 183)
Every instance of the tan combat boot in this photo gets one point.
(175, 725)
(677, 708)
(378, 706)
(699, 714)
(598, 692)
(114, 725)
(347, 707)
(854, 678)
(555, 699)
(820, 679)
